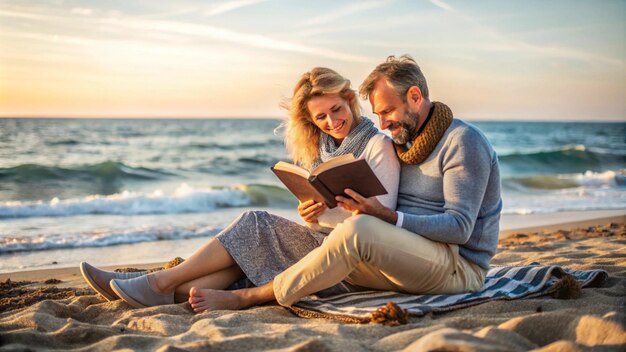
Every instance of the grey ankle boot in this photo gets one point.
(138, 293)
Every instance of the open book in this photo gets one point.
(330, 179)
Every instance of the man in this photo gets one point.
(444, 232)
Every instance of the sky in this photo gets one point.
(488, 60)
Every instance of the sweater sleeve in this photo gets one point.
(466, 165)
(384, 162)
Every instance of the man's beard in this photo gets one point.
(408, 128)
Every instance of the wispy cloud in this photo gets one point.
(227, 35)
(559, 52)
(82, 11)
(209, 10)
(231, 5)
(25, 15)
(315, 31)
(503, 42)
(345, 11)
(45, 37)
(145, 26)
(575, 29)
(442, 5)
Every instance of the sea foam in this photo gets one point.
(184, 199)
(588, 179)
(64, 240)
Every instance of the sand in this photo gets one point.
(70, 316)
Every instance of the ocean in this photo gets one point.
(81, 184)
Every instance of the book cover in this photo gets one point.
(330, 179)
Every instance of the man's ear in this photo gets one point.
(350, 96)
(414, 96)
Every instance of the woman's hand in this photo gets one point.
(358, 204)
(310, 211)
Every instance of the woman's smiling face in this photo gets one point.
(332, 115)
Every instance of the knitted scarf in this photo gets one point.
(428, 136)
(354, 143)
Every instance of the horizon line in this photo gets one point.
(477, 119)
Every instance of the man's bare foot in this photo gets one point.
(207, 299)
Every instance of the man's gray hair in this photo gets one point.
(402, 73)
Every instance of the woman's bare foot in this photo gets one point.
(207, 299)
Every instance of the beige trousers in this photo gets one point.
(368, 252)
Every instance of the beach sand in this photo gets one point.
(67, 315)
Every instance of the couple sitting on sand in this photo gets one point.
(439, 239)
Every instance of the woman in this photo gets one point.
(324, 121)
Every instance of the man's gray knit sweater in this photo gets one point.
(454, 195)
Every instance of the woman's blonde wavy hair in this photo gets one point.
(302, 136)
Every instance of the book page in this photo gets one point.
(334, 162)
(295, 169)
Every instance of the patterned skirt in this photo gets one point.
(264, 244)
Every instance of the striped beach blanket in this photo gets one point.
(501, 283)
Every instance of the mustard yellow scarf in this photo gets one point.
(425, 142)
